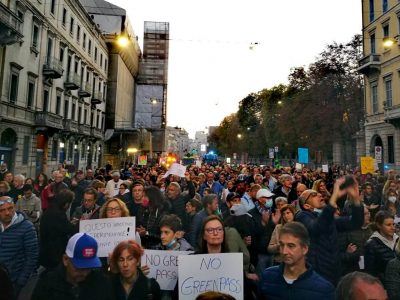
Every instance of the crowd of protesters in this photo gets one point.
(303, 233)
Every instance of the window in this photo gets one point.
(79, 114)
(71, 26)
(73, 111)
(25, 151)
(76, 68)
(374, 97)
(66, 108)
(54, 150)
(14, 87)
(58, 104)
(101, 60)
(384, 5)
(84, 41)
(390, 149)
(388, 92)
(373, 43)
(31, 93)
(64, 16)
(53, 6)
(49, 49)
(386, 31)
(78, 33)
(85, 112)
(92, 118)
(95, 54)
(35, 36)
(105, 65)
(90, 47)
(371, 10)
(98, 118)
(62, 51)
(45, 100)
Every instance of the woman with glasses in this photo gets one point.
(128, 281)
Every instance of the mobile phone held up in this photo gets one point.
(348, 182)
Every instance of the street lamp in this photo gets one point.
(122, 41)
(239, 136)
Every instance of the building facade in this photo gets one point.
(124, 53)
(380, 65)
(53, 82)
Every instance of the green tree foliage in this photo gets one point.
(320, 105)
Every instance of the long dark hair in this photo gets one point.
(156, 198)
(204, 248)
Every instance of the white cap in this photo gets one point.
(264, 193)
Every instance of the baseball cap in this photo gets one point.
(232, 196)
(82, 250)
(306, 195)
(264, 193)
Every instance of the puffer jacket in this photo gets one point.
(309, 285)
(392, 278)
(377, 255)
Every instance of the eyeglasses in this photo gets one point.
(9, 201)
(214, 230)
(313, 194)
(113, 209)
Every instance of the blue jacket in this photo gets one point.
(308, 286)
(323, 253)
(216, 188)
(19, 250)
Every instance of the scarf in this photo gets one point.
(390, 243)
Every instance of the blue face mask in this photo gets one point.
(268, 203)
(171, 243)
(318, 210)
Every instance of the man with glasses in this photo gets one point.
(319, 219)
(18, 244)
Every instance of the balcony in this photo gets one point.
(97, 98)
(53, 68)
(85, 91)
(10, 27)
(84, 129)
(369, 64)
(96, 132)
(72, 82)
(70, 126)
(392, 115)
(48, 120)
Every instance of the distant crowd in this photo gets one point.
(303, 233)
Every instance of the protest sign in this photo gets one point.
(303, 155)
(367, 164)
(176, 169)
(142, 160)
(109, 232)
(299, 167)
(163, 266)
(325, 168)
(221, 272)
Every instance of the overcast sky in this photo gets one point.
(211, 66)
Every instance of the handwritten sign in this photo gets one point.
(367, 164)
(109, 232)
(325, 168)
(176, 169)
(210, 272)
(163, 266)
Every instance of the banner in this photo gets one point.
(210, 272)
(142, 160)
(163, 266)
(367, 164)
(303, 155)
(176, 169)
(109, 232)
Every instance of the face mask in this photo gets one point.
(162, 190)
(392, 199)
(318, 210)
(268, 203)
(171, 243)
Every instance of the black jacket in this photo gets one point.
(53, 285)
(143, 289)
(55, 231)
(178, 204)
(377, 255)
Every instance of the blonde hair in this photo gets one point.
(121, 204)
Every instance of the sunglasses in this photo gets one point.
(9, 201)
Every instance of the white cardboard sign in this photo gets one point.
(176, 169)
(109, 232)
(163, 266)
(210, 272)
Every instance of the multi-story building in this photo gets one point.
(177, 141)
(124, 52)
(53, 82)
(380, 66)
